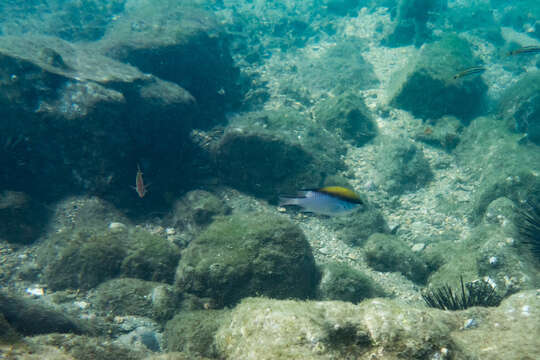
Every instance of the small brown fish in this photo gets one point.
(525, 50)
(140, 188)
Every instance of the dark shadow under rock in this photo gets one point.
(23, 219)
(31, 316)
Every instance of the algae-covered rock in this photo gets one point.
(355, 228)
(126, 296)
(348, 116)
(7, 333)
(96, 110)
(508, 331)
(503, 166)
(271, 329)
(197, 209)
(520, 106)
(388, 253)
(276, 329)
(401, 166)
(248, 255)
(427, 87)
(78, 212)
(192, 332)
(443, 133)
(86, 260)
(341, 282)
(183, 43)
(151, 257)
(81, 259)
(88, 348)
(411, 22)
(273, 152)
(338, 69)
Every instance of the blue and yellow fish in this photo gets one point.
(330, 200)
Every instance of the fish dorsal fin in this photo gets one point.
(342, 193)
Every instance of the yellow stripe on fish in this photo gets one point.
(342, 193)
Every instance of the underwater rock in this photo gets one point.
(519, 106)
(84, 348)
(77, 212)
(500, 259)
(192, 332)
(31, 316)
(348, 116)
(388, 253)
(443, 133)
(427, 88)
(271, 153)
(336, 70)
(272, 329)
(97, 112)
(181, 43)
(355, 228)
(505, 167)
(341, 282)
(197, 209)
(81, 259)
(126, 296)
(411, 22)
(150, 257)
(401, 166)
(246, 255)
(23, 219)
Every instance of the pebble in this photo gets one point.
(325, 250)
(418, 247)
(117, 227)
(35, 291)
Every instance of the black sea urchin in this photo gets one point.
(529, 226)
(478, 293)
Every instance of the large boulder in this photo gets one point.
(181, 43)
(268, 153)
(427, 88)
(81, 121)
(401, 166)
(348, 116)
(520, 106)
(247, 255)
(386, 329)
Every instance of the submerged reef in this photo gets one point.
(428, 110)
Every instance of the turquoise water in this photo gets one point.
(144, 147)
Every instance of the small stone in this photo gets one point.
(117, 227)
(35, 291)
(325, 250)
(469, 324)
(418, 247)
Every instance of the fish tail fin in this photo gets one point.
(287, 200)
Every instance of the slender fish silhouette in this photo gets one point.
(140, 187)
